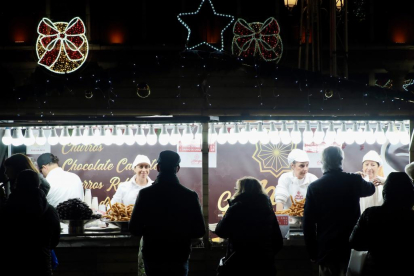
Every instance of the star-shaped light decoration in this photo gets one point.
(216, 15)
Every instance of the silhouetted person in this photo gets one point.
(331, 212)
(409, 169)
(29, 230)
(251, 226)
(378, 229)
(168, 216)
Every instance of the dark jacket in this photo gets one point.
(30, 229)
(378, 232)
(44, 185)
(254, 235)
(331, 212)
(168, 216)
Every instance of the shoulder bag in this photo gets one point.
(356, 262)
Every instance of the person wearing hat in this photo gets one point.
(168, 216)
(294, 183)
(371, 167)
(127, 192)
(63, 185)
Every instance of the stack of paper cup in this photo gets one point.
(88, 197)
(94, 204)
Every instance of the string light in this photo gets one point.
(274, 134)
(330, 135)
(7, 138)
(175, 136)
(164, 137)
(17, 138)
(28, 138)
(284, 134)
(369, 134)
(140, 137)
(64, 138)
(380, 135)
(53, 139)
(151, 136)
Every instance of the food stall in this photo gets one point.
(214, 155)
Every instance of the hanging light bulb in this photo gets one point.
(7, 138)
(41, 139)
(233, 135)
(53, 139)
(253, 136)
(88, 135)
(392, 134)
(117, 136)
(369, 134)
(76, 138)
(140, 136)
(223, 135)
(198, 136)
(263, 134)
(175, 136)
(379, 134)
(164, 137)
(212, 135)
(129, 138)
(151, 136)
(17, 138)
(359, 136)
(274, 134)
(319, 134)
(308, 134)
(284, 134)
(350, 134)
(330, 134)
(341, 134)
(187, 137)
(99, 135)
(28, 138)
(403, 133)
(244, 134)
(107, 138)
(295, 134)
(64, 138)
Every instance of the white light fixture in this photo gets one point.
(308, 134)
(151, 136)
(360, 136)
(319, 134)
(274, 134)
(404, 136)
(64, 138)
(99, 135)
(187, 137)
(350, 134)
(164, 137)
(29, 138)
(330, 134)
(129, 138)
(223, 135)
(175, 136)
(369, 134)
(7, 138)
(379, 134)
(117, 136)
(253, 136)
(284, 134)
(53, 139)
(264, 137)
(234, 134)
(107, 138)
(244, 134)
(340, 134)
(140, 136)
(290, 3)
(212, 135)
(17, 138)
(392, 134)
(76, 138)
(88, 135)
(295, 134)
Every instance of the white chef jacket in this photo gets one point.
(374, 200)
(290, 185)
(63, 186)
(127, 192)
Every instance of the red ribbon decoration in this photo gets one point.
(251, 38)
(71, 40)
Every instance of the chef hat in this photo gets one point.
(298, 156)
(372, 156)
(141, 159)
(409, 169)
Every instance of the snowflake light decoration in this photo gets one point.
(62, 47)
(251, 39)
(215, 14)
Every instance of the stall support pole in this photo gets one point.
(205, 150)
(411, 147)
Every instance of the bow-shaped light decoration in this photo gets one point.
(62, 47)
(251, 39)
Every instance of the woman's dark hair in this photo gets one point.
(20, 162)
(249, 185)
(398, 190)
(27, 179)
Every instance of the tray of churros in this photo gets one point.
(295, 212)
(119, 214)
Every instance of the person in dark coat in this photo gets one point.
(168, 216)
(30, 229)
(19, 162)
(331, 212)
(378, 227)
(253, 233)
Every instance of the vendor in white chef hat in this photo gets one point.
(294, 183)
(127, 192)
(371, 167)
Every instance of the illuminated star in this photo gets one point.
(206, 25)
